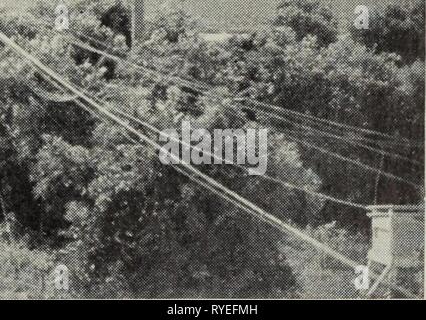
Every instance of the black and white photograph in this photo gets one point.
(200, 150)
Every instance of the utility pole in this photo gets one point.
(138, 21)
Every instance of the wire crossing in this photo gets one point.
(264, 176)
(202, 87)
(340, 157)
(309, 145)
(206, 181)
(340, 138)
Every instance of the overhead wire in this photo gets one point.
(352, 161)
(208, 182)
(195, 87)
(310, 145)
(285, 184)
(201, 88)
(317, 132)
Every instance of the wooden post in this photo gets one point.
(138, 21)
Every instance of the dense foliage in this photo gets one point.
(399, 29)
(308, 17)
(134, 227)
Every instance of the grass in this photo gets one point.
(27, 274)
(321, 277)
